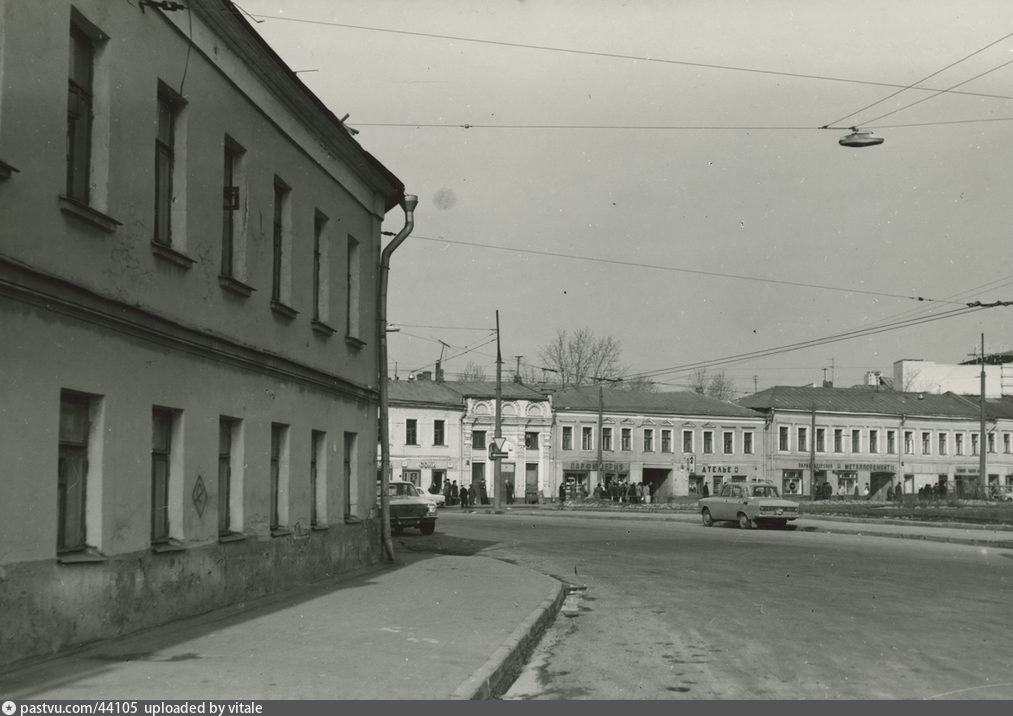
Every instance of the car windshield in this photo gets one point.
(764, 491)
(401, 489)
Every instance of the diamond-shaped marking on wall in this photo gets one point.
(199, 496)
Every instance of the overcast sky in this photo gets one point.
(656, 172)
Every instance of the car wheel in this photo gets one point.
(427, 528)
(744, 521)
(708, 521)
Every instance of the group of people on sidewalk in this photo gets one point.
(614, 490)
(461, 495)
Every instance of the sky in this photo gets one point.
(657, 172)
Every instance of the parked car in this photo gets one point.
(438, 497)
(409, 507)
(750, 504)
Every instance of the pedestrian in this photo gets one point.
(706, 490)
(647, 492)
(856, 490)
(562, 493)
(865, 491)
(509, 487)
(889, 493)
(463, 494)
(454, 493)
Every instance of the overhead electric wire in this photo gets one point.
(699, 272)
(609, 55)
(923, 79)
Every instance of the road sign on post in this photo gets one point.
(498, 449)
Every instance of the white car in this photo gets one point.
(437, 497)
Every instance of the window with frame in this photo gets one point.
(626, 439)
(439, 433)
(586, 438)
(727, 442)
(708, 442)
(891, 442)
(747, 443)
(80, 114)
(352, 288)
(226, 428)
(279, 478)
(606, 439)
(530, 440)
(856, 441)
(687, 441)
(478, 440)
(281, 240)
(926, 443)
(411, 431)
(802, 439)
(349, 469)
(161, 453)
(666, 441)
(974, 444)
(782, 438)
(232, 234)
(72, 472)
(568, 437)
(321, 274)
(1007, 443)
(941, 443)
(874, 441)
(821, 439)
(991, 442)
(648, 440)
(318, 478)
(838, 440)
(909, 442)
(958, 443)
(165, 133)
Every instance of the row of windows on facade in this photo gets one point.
(81, 112)
(855, 441)
(478, 437)
(79, 411)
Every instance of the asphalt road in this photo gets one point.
(675, 610)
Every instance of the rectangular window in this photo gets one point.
(353, 289)
(80, 114)
(1007, 443)
(666, 441)
(708, 442)
(626, 439)
(958, 441)
(530, 441)
(439, 438)
(586, 439)
(232, 234)
(874, 441)
(991, 442)
(687, 441)
(349, 470)
(909, 442)
(727, 442)
(856, 441)
(567, 437)
(279, 478)
(165, 134)
(974, 443)
(941, 441)
(225, 429)
(281, 239)
(838, 440)
(478, 440)
(72, 472)
(802, 439)
(821, 439)
(782, 438)
(606, 439)
(161, 453)
(648, 440)
(318, 478)
(891, 442)
(321, 275)
(411, 432)
(926, 443)
(747, 443)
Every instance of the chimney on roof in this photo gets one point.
(828, 384)
(439, 371)
(424, 375)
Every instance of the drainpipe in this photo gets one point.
(410, 201)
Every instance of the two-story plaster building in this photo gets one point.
(425, 433)
(676, 443)
(189, 252)
(853, 438)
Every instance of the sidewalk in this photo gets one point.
(428, 627)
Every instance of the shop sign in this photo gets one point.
(612, 466)
(851, 466)
(967, 470)
(720, 469)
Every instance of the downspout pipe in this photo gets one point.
(409, 204)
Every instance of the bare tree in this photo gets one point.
(473, 371)
(714, 385)
(580, 357)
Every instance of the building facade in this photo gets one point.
(842, 441)
(678, 444)
(189, 252)
(425, 433)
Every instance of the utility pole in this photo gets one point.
(497, 459)
(812, 454)
(982, 443)
(601, 421)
